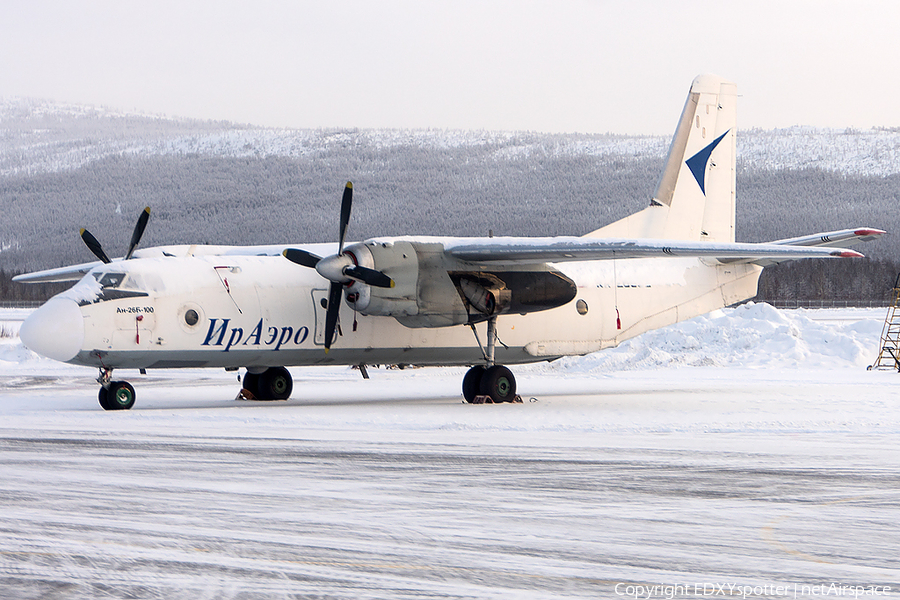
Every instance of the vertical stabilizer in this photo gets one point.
(694, 198)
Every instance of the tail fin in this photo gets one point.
(694, 198)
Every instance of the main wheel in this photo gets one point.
(471, 386)
(498, 383)
(119, 396)
(275, 384)
(251, 383)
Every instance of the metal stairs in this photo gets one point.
(889, 355)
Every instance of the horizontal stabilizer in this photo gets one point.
(844, 237)
(831, 239)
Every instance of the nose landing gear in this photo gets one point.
(114, 395)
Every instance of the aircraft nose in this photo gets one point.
(55, 330)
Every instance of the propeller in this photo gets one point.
(302, 257)
(94, 246)
(139, 228)
(339, 269)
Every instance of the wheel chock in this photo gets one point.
(245, 394)
(484, 399)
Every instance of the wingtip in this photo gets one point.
(868, 231)
(847, 254)
(349, 185)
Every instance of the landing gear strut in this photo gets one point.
(491, 382)
(274, 383)
(114, 395)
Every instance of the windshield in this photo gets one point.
(110, 280)
(115, 285)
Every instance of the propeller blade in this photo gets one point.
(369, 276)
(331, 315)
(94, 246)
(346, 204)
(302, 257)
(138, 231)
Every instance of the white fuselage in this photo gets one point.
(255, 309)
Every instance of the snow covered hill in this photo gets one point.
(63, 167)
(39, 137)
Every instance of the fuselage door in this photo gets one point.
(320, 303)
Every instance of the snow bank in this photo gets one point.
(751, 335)
(11, 348)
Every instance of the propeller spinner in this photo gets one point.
(94, 246)
(339, 269)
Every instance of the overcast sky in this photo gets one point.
(589, 66)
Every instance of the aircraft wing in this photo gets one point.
(62, 274)
(524, 251)
(562, 249)
(76, 272)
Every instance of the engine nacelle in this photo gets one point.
(434, 290)
(397, 260)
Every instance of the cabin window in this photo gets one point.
(582, 307)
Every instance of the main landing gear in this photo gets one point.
(114, 395)
(489, 383)
(275, 383)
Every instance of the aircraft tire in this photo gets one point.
(251, 383)
(275, 383)
(119, 396)
(471, 385)
(103, 396)
(498, 383)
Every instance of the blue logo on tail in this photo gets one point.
(697, 163)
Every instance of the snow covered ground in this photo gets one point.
(747, 453)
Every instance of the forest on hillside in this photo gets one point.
(217, 183)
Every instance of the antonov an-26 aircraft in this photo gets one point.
(480, 302)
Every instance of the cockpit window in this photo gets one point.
(115, 286)
(110, 280)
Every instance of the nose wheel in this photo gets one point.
(116, 395)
